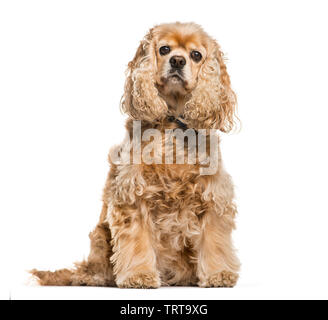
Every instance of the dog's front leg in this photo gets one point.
(133, 258)
(217, 262)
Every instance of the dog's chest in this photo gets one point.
(176, 206)
(176, 230)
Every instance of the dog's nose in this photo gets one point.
(177, 62)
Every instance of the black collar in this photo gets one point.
(181, 124)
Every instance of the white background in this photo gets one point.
(61, 78)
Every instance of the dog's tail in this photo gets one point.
(96, 271)
(84, 274)
(63, 277)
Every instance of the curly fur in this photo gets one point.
(165, 224)
(140, 99)
(212, 103)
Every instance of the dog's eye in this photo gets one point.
(196, 56)
(164, 50)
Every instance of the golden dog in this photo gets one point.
(166, 224)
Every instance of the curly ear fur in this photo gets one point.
(213, 103)
(140, 99)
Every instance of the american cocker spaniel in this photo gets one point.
(165, 221)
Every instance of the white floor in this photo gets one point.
(244, 290)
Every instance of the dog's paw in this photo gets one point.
(149, 280)
(224, 279)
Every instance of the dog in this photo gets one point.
(166, 224)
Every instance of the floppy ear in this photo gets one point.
(212, 104)
(140, 99)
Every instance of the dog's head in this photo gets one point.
(180, 60)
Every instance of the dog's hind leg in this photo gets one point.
(95, 271)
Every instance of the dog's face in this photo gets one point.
(179, 55)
